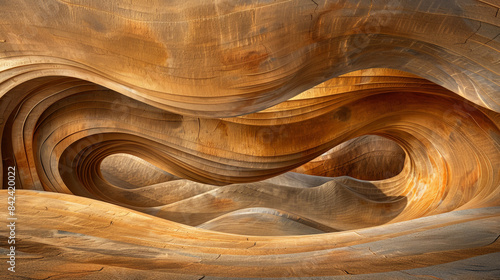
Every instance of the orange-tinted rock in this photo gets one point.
(199, 140)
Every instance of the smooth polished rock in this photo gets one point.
(253, 139)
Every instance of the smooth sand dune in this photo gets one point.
(254, 139)
(264, 222)
(80, 237)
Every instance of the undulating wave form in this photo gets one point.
(210, 140)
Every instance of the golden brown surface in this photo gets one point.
(215, 140)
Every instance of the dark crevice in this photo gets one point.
(480, 24)
(346, 272)
(110, 224)
(58, 275)
(470, 36)
(255, 243)
(199, 128)
(494, 241)
(312, 15)
(492, 39)
(316, 6)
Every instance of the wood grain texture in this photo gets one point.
(252, 139)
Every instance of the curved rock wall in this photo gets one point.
(191, 140)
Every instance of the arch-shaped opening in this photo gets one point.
(128, 171)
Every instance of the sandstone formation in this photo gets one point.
(252, 139)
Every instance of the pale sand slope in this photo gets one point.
(68, 236)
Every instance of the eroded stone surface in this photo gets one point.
(215, 140)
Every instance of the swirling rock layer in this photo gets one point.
(252, 140)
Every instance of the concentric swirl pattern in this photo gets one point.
(219, 140)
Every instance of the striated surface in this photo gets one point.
(215, 140)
